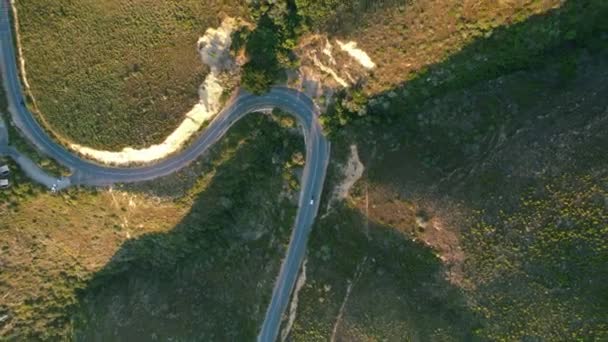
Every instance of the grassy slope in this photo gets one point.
(52, 244)
(114, 73)
(511, 171)
(405, 37)
(523, 187)
(400, 290)
(76, 255)
(189, 283)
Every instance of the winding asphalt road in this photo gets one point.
(85, 172)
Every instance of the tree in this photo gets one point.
(256, 80)
(269, 45)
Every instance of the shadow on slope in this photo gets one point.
(522, 154)
(397, 288)
(159, 263)
(210, 278)
(557, 36)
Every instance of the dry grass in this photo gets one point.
(110, 74)
(66, 258)
(404, 37)
(52, 244)
(513, 173)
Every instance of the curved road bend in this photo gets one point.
(88, 173)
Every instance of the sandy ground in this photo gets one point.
(327, 51)
(214, 49)
(328, 67)
(359, 55)
(329, 71)
(353, 170)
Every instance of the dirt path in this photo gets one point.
(346, 296)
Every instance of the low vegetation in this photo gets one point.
(479, 51)
(52, 244)
(475, 43)
(481, 215)
(66, 273)
(553, 249)
(189, 282)
(397, 290)
(504, 183)
(116, 73)
(20, 188)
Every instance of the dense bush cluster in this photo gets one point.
(269, 45)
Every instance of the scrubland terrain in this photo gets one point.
(111, 74)
(405, 37)
(482, 213)
(483, 153)
(498, 239)
(73, 262)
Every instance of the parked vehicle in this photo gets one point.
(3, 183)
(4, 170)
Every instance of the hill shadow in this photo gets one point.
(211, 276)
(555, 42)
(507, 113)
(205, 268)
(453, 115)
(554, 37)
(397, 286)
